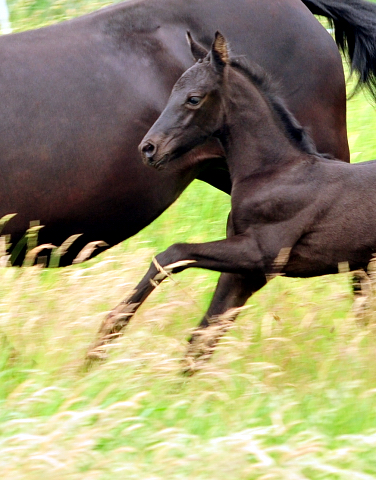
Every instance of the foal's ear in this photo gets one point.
(198, 52)
(219, 52)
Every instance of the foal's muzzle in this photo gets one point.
(148, 149)
(150, 155)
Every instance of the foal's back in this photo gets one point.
(337, 218)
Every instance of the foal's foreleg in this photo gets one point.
(231, 293)
(236, 255)
(121, 315)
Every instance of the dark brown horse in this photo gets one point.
(77, 98)
(286, 200)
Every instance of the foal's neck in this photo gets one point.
(254, 138)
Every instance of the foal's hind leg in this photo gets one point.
(231, 293)
(362, 290)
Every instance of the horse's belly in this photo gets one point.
(330, 253)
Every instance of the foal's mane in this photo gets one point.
(268, 88)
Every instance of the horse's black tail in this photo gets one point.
(354, 23)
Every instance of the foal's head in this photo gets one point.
(199, 103)
(194, 110)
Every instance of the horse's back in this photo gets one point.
(74, 107)
(339, 221)
(78, 97)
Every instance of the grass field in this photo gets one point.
(289, 394)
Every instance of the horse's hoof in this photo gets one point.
(189, 366)
(97, 355)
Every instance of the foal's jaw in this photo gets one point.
(160, 164)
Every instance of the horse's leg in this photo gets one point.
(362, 290)
(121, 315)
(238, 254)
(231, 293)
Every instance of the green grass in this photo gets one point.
(27, 14)
(289, 394)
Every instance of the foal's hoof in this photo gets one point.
(93, 357)
(189, 367)
(192, 364)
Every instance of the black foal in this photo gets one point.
(285, 196)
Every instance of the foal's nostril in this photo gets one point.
(149, 149)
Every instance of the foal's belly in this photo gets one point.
(330, 252)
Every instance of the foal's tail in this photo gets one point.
(354, 23)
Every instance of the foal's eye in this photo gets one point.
(194, 101)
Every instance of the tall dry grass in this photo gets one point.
(289, 393)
